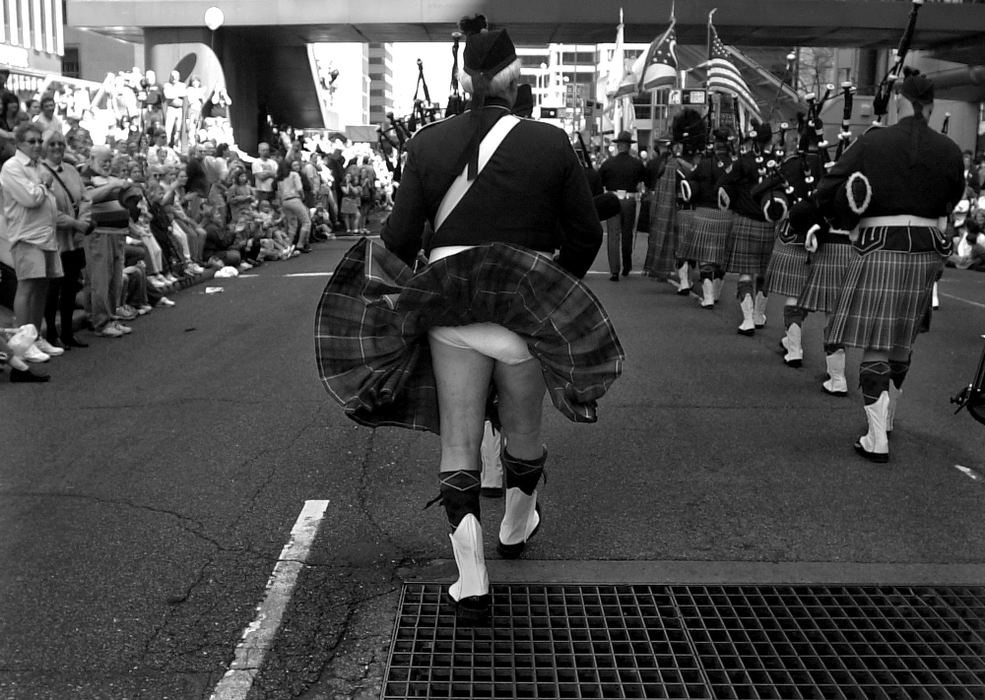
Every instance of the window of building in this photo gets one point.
(586, 57)
(71, 67)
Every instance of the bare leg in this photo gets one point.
(521, 399)
(462, 378)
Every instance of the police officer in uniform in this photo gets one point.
(623, 174)
(902, 180)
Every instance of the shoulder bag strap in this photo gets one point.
(460, 186)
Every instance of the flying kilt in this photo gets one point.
(826, 275)
(661, 248)
(371, 326)
(788, 269)
(886, 292)
(751, 244)
(708, 242)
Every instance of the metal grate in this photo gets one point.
(749, 641)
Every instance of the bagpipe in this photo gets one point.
(972, 396)
(884, 90)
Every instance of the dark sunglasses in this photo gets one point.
(32, 141)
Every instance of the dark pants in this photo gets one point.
(61, 295)
(619, 236)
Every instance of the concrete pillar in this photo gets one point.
(219, 59)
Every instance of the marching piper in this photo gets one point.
(707, 243)
(915, 177)
(751, 234)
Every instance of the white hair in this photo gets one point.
(499, 85)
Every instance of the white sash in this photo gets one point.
(461, 184)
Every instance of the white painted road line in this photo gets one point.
(259, 635)
(309, 274)
(966, 301)
(969, 472)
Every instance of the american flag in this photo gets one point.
(660, 66)
(723, 76)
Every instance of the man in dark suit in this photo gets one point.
(623, 174)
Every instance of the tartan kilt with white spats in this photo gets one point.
(788, 270)
(826, 276)
(372, 321)
(750, 245)
(886, 291)
(709, 236)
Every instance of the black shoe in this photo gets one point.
(684, 292)
(69, 343)
(625, 272)
(26, 376)
(614, 277)
(747, 333)
(474, 611)
(512, 551)
(306, 249)
(877, 457)
(827, 391)
(796, 364)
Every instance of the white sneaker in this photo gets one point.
(47, 348)
(33, 354)
(125, 330)
(110, 331)
(144, 309)
(164, 301)
(170, 279)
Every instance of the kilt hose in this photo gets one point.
(708, 242)
(788, 269)
(884, 297)
(750, 245)
(371, 325)
(825, 277)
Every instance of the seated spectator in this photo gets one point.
(240, 195)
(220, 240)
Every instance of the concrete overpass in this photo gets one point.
(260, 50)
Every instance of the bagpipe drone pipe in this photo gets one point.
(972, 396)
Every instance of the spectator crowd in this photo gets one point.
(112, 203)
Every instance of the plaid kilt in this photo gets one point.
(788, 269)
(751, 245)
(683, 225)
(884, 297)
(661, 248)
(709, 236)
(825, 277)
(371, 326)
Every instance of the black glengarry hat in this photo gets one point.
(487, 53)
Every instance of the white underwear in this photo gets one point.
(489, 339)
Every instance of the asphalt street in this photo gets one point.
(147, 491)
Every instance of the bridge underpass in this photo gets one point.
(260, 49)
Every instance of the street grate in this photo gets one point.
(688, 641)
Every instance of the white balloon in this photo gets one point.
(214, 18)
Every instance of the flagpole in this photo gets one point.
(711, 101)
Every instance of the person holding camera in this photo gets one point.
(73, 223)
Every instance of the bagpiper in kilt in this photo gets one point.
(912, 177)
(673, 214)
(751, 235)
(708, 242)
(785, 197)
(430, 345)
